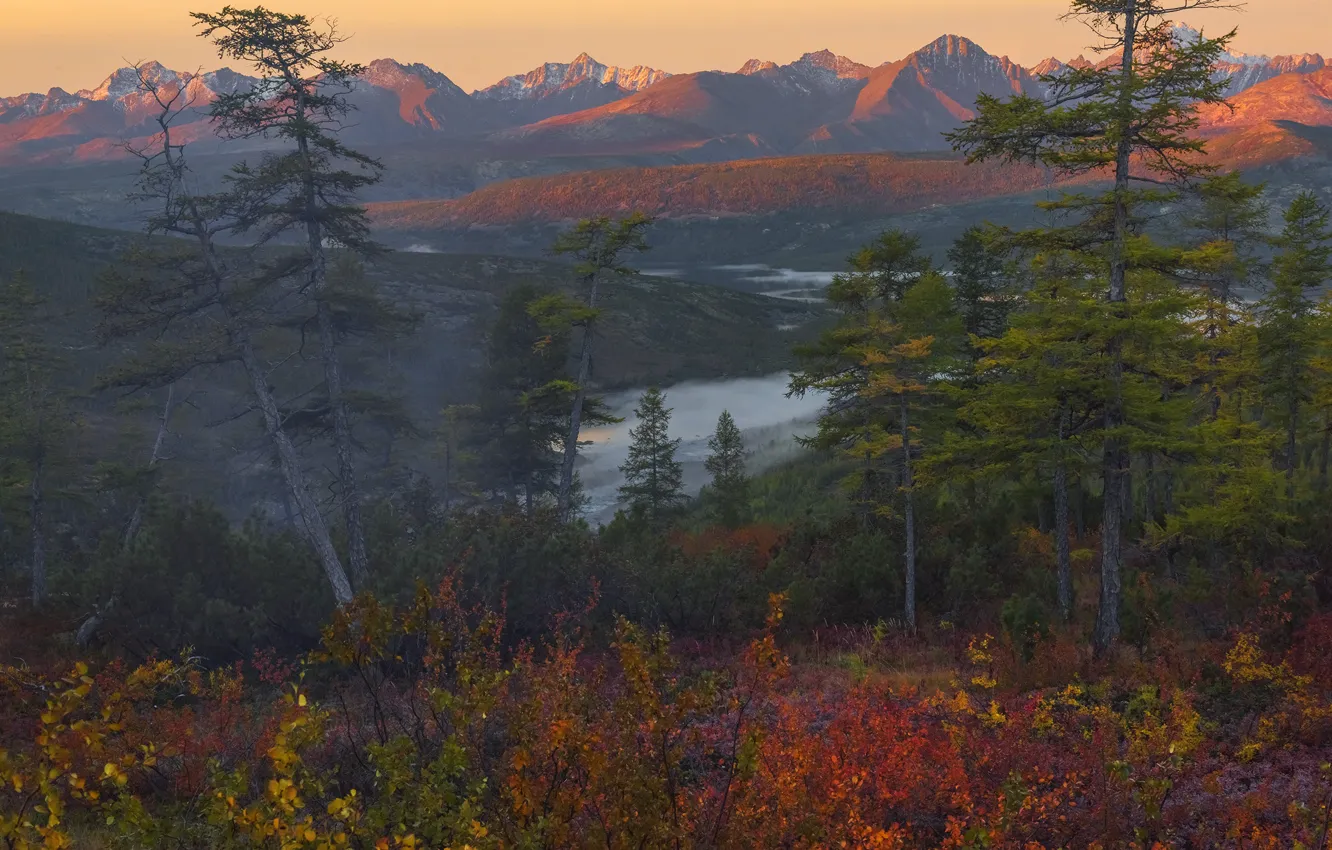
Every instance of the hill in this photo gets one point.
(656, 331)
(1305, 98)
(862, 183)
(853, 184)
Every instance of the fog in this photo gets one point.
(768, 419)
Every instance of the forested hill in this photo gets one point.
(656, 330)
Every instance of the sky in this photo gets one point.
(75, 44)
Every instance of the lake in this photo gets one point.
(768, 419)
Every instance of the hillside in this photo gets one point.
(857, 184)
(655, 331)
(1304, 98)
(862, 183)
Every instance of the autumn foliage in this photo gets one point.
(422, 727)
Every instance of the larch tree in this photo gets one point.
(1130, 119)
(726, 464)
(301, 101)
(598, 247)
(1288, 340)
(653, 477)
(878, 275)
(982, 283)
(192, 308)
(1034, 398)
(910, 350)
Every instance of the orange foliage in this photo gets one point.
(420, 730)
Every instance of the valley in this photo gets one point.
(926, 449)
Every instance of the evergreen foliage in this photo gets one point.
(1134, 117)
(311, 188)
(653, 477)
(726, 465)
(597, 246)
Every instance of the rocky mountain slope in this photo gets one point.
(820, 103)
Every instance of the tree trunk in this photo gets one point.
(136, 519)
(1126, 511)
(1113, 455)
(1080, 511)
(565, 507)
(1292, 459)
(342, 441)
(910, 516)
(1324, 449)
(38, 520)
(1062, 559)
(316, 531)
(1149, 488)
(446, 493)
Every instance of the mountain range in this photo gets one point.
(821, 103)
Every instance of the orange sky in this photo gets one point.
(76, 43)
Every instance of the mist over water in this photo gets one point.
(768, 419)
(807, 287)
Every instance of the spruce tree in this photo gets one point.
(726, 464)
(523, 407)
(301, 101)
(1132, 117)
(653, 482)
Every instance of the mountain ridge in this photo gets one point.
(819, 103)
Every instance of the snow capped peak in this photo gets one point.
(1246, 70)
(125, 81)
(1048, 66)
(952, 46)
(392, 74)
(821, 70)
(1187, 35)
(827, 60)
(757, 66)
(554, 77)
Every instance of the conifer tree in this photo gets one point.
(523, 408)
(193, 307)
(311, 188)
(597, 246)
(726, 464)
(36, 421)
(981, 283)
(1322, 388)
(834, 366)
(1134, 118)
(1288, 344)
(912, 348)
(1034, 399)
(653, 478)
(1230, 501)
